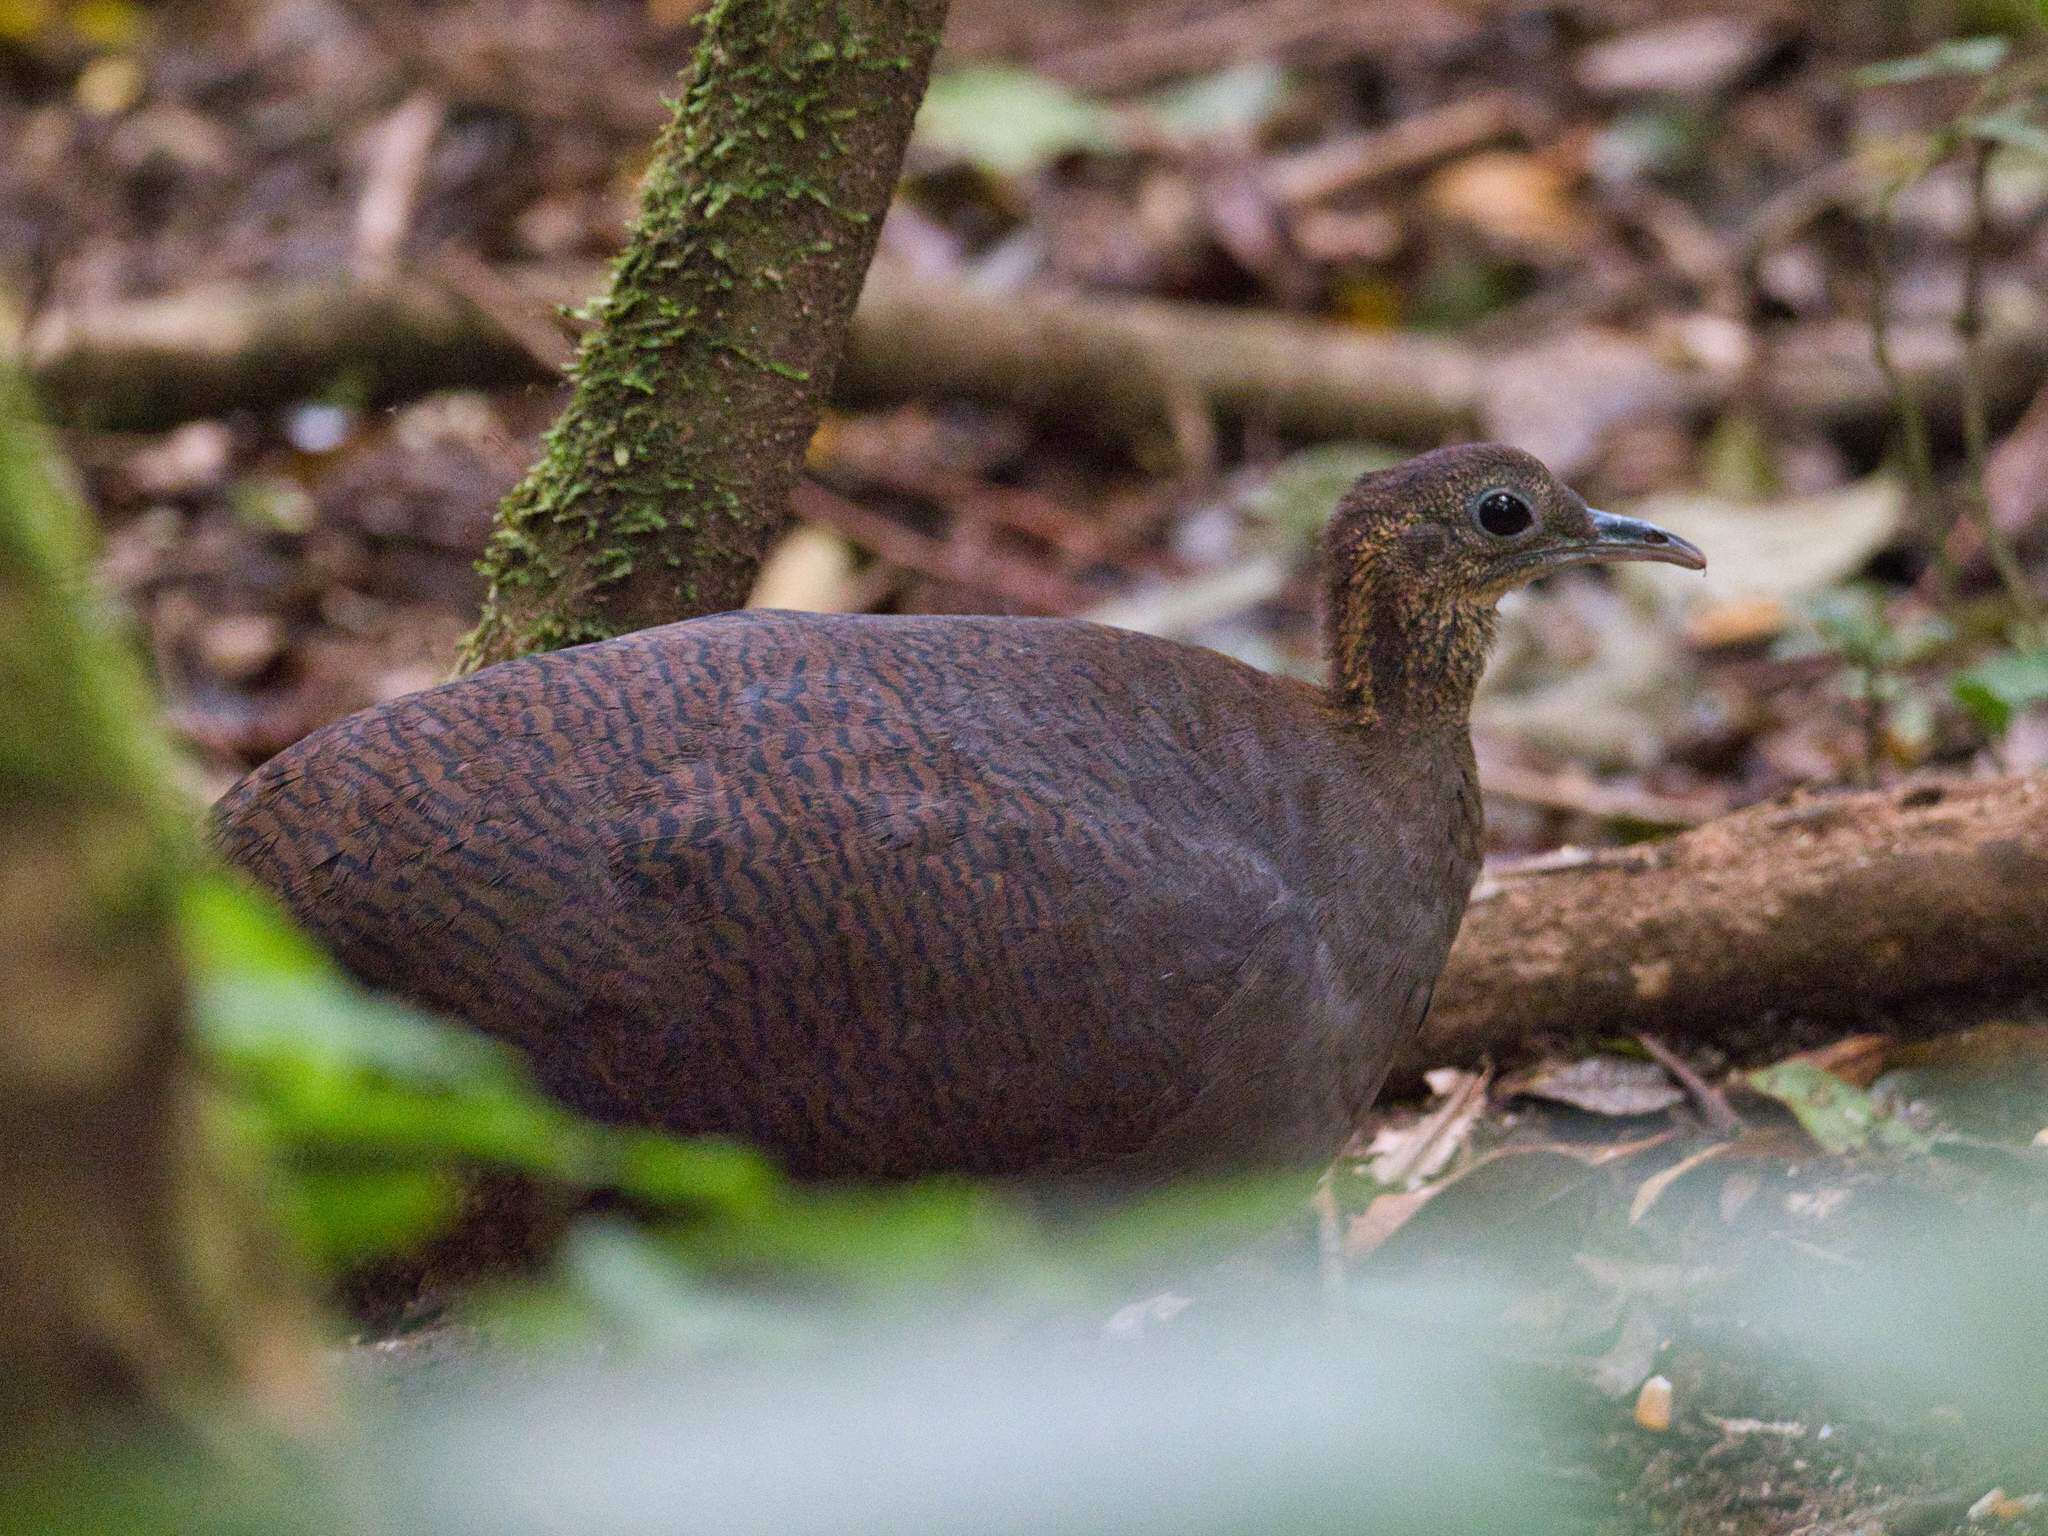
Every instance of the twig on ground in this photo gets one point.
(1711, 1102)
(1402, 148)
(1573, 791)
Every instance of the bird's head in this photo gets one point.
(1418, 555)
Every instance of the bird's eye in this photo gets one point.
(1502, 513)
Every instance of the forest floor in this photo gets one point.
(1623, 220)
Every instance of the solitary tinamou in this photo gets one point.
(891, 896)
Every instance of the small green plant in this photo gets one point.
(2002, 686)
(2007, 110)
(1875, 650)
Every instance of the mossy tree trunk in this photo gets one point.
(696, 393)
(129, 1279)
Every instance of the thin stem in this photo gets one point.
(1914, 440)
(1976, 425)
(1873, 726)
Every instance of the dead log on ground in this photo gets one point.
(1834, 910)
(151, 363)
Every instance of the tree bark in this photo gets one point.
(129, 1279)
(669, 471)
(1833, 910)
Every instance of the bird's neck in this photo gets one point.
(1400, 654)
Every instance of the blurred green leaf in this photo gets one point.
(1460, 288)
(366, 1109)
(621, 1283)
(1662, 139)
(231, 926)
(1855, 623)
(1956, 56)
(702, 1172)
(1230, 103)
(1009, 121)
(1839, 1116)
(1188, 1218)
(1999, 688)
(2013, 127)
(341, 1217)
(1297, 496)
(881, 1237)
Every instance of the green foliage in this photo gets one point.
(1854, 624)
(1297, 496)
(2015, 126)
(367, 1114)
(1461, 288)
(58, 659)
(1231, 102)
(1010, 121)
(367, 1117)
(1955, 57)
(1997, 689)
(1839, 1116)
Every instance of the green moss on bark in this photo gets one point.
(697, 391)
(131, 1295)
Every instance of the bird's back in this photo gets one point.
(893, 895)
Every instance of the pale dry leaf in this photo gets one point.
(1385, 1216)
(1600, 1085)
(1782, 551)
(810, 571)
(1651, 1190)
(1141, 1317)
(1632, 1355)
(1694, 56)
(1404, 1157)
(1739, 1429)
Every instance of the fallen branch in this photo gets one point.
(1130, 363)
(1078, 357)
(1407, 147)
(148, 364)
(1832, 910)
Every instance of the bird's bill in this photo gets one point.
(1626, 538)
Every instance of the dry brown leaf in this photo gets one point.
(1384, 1217)
(1737, 621)
(1403, 1157)
(1523, 201)
(1651, 1190)
(2000, 1505)
(1597, 1154)
(1600, 1085)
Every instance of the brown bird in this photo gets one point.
(889, 896)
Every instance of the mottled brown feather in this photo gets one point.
(896, 895)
